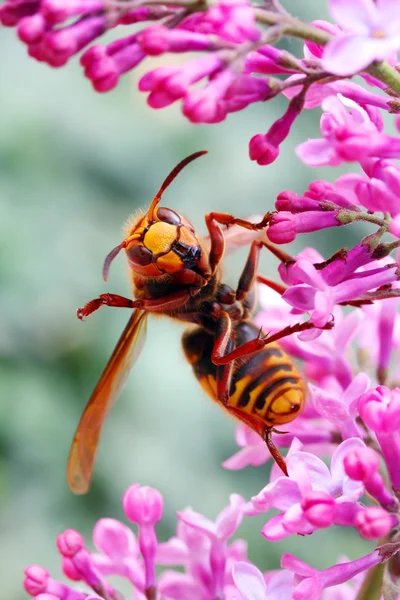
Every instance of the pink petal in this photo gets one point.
(273, 529)
(300, 296)
(294, 564)
(197, 521)
(309, 589)
(357, 387)
(173, 584)
(351, 490)
(348, 54)
(293, 519)
(230, 517)
(253, 456)
(356, 15)
(249, 581)
(280, 586)
(345, 331)
(308, 336)
(329, 407)
(390, 14)
(114, 539)
(281, 493)
(172, 552)
(309, 471)
(317, 153)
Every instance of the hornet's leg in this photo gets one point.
(164, 303)
(259, 342)
(213, 222)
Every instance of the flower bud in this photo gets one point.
(36, 578)
(69, 543)
(361, 463)
(374, 522)
(319, 508)
(143, 505)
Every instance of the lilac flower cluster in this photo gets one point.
(349, 349)
(238, 60)
(211, 568)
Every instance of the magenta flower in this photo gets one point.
(264, 148)
(347, 136)
(313, 293)
(374, 34)
(302, 509)
(340, 406)
(380, 410)
(309, 583)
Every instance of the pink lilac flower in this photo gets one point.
(313, 294)
(264, 148)
(372, 32)
(380, 410)
(362, 464)
(311, 497)
(309, 582)
(347, 136)
(338, 405)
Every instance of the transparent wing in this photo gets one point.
(237, 237)
(84, 446)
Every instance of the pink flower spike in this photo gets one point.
(375, 35)
(264, 149)
(374, 522)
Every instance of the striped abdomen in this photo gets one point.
(265, 386)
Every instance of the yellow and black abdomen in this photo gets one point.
(265, 387)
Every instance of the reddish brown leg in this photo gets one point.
(276, 455)
(213, 220)
(277, 287)
(259, 342)
(249, 273)
(164, 303)
(103, 300)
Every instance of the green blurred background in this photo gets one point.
(73, 166)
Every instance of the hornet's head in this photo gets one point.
(162, 242)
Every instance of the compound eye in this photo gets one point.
(140, 255)
(168, 216)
